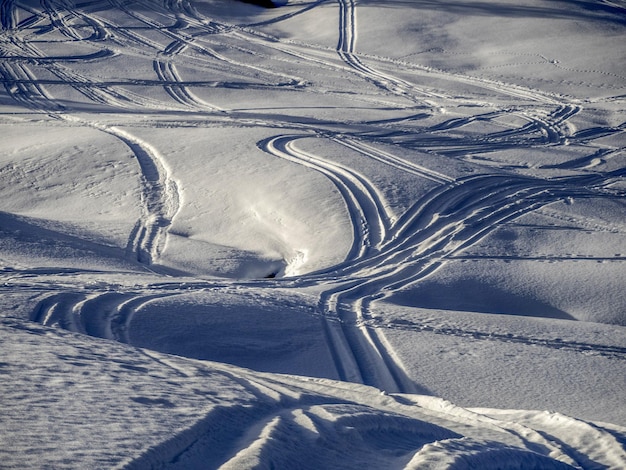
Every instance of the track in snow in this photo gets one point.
(388, 257)
(550, 123)
(160, 196)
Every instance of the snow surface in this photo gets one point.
(332, 234)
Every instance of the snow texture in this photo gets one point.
(324, 234)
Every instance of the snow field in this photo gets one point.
(414, 209)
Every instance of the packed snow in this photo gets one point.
(328, 234)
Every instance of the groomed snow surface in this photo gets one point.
(330, 234)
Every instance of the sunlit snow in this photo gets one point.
(326, 234)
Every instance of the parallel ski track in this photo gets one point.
(346, 49)
(104, 315)
(108, 313)
(551, 125)
(203, 27)
(58, 309)
(394, 161)
(8, 15)
(449, 219)
(370, 219)
(160, 192)
(21, 85)
(58, 19)
(96, 92)
(61, 16)
(166, 69)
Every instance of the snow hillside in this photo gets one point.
(330, 234)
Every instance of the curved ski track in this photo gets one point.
(385, 256)
(159, 191)
(550, 123)
(160, 194)
(103, 315)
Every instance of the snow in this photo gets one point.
(79, 401)
(330, 234)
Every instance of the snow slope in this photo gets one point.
(420, 198)
(108, 405)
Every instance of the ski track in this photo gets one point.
(159, 191)
(386, 255)
(551, 123)
(346, 49)
(105, 314)
(160, 198)
(166, 69)
(8, 15)
(451, 218)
